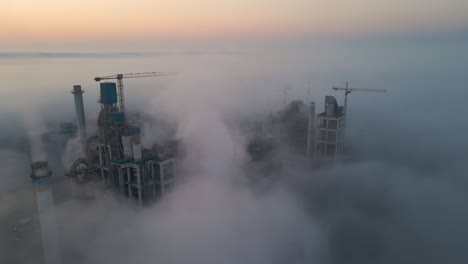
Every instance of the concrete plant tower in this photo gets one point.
(329, 137)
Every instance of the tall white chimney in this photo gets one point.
(40, 174)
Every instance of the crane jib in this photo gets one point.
(134, 75)
(120, 85)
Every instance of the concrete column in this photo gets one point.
(161, 178)
(317, 137)
(140, 200)
(311, 130)
(153, 186)
(129, 177)
(121, 181)
(101, 162)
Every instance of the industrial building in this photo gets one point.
(320, 137)
(289, 126)
(330, 129)
(115, 154)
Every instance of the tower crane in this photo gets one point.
(349, 90)
(119, 77)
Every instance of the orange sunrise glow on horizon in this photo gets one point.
(55, 20)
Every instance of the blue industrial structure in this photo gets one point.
(117, 155)
(108, 93)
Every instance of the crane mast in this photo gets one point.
(119, 77)
(121, 92)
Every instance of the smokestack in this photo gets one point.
(79, 107)
(311, 129)
(40, 174)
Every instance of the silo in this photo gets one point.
(108, 93)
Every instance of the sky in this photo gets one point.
(32, 24)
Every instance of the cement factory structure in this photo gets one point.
(322, 134)
(330, 127)
(116, 156)
(115, 153)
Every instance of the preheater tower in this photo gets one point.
(329, 136)
(116, 151)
